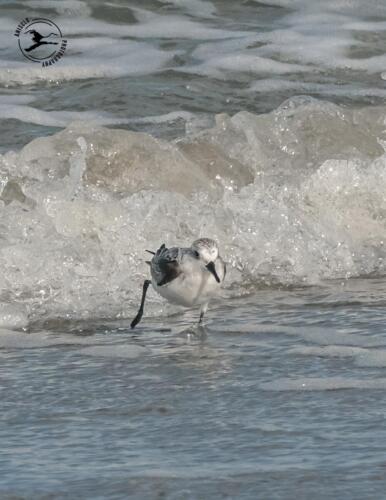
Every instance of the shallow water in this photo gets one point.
(260, 124)
(280, 395)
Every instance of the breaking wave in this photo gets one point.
(293, 197)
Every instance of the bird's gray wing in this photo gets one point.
(165, 265)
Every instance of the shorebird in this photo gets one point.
(185, 276)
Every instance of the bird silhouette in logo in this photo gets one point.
(37, 38)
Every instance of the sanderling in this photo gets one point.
(185, 276)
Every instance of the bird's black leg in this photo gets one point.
(203, 310)
(137, 319)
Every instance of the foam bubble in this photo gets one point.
(13, 316)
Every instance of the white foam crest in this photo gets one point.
(248, 63)
(234, 55)
(353, 7)
(313, 36)
(29, 114)
(329, 44)
(99, 58)
(64, 7)
(150, 25)
(179, 27)
(323, 384)
(197, 8)
(272, 85)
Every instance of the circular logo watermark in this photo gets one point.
(40, 40)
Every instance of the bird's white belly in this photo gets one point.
(189, 290)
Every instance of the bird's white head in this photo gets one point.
(206, 248)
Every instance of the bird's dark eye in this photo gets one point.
(196, 254)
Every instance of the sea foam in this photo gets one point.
(293, 197)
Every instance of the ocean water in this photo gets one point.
(260, 124)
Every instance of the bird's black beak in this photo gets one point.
(210, 267)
